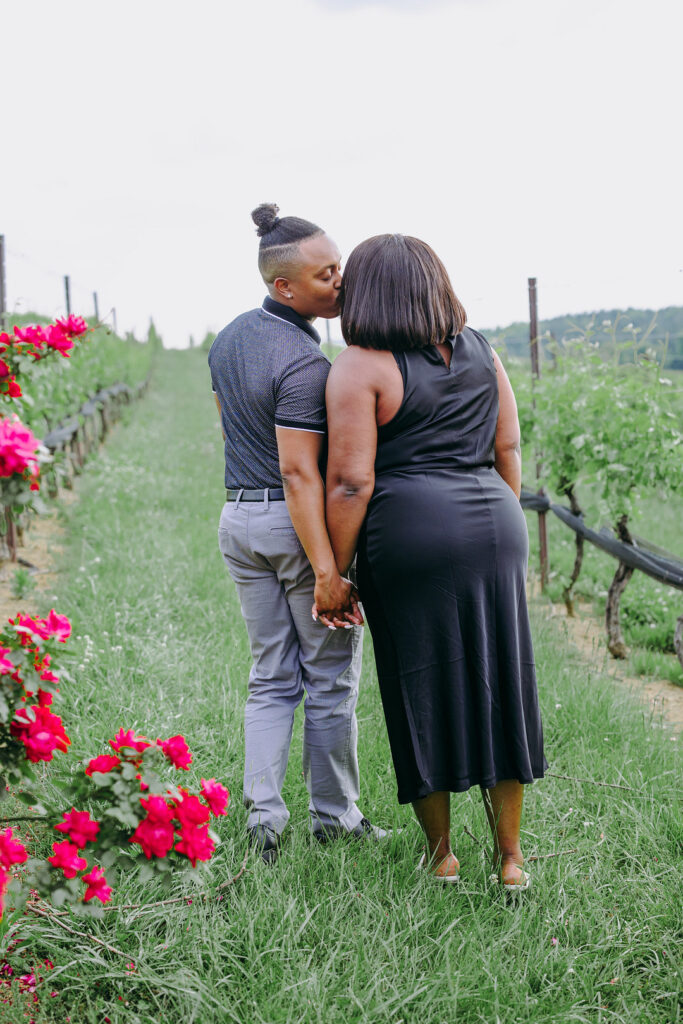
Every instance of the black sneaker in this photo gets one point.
(266, 841)
(363, 830)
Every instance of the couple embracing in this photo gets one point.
(405, 456)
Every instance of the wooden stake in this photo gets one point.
(535, 375)
(3, 299)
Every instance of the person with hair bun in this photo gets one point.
(423, 479)
(268, 374)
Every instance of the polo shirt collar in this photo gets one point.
(278, 309)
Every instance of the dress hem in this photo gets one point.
(440, 785)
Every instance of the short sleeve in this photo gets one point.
(300, 394)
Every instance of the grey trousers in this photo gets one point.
(292, 654)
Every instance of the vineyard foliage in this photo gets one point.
(54, 390)
(604, 426)
(611, 423)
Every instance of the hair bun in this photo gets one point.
(265, 217)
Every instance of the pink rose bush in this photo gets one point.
(30, 673)
(11, 852)
(21, 458)
(32, 343)
(21, 454)
(140, 819)
(125, 809)
(20, 449)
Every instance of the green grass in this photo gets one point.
(349, 932)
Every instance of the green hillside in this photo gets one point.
(660, 329)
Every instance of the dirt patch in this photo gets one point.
(587, 633)
(38, 557)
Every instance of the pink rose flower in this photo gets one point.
(104, 763)
(31, 335)
(177, 751)
(196, 844)
(65, 856)
(79, 827)
(35, 625)
(57, 626)
(42, 667)
(97, 886)
(4, 879)
(216, 796)
(11, 851)
(191, 811)
(41, 732)
(6, 666)
(57, 339)
(157, 809)
(9, 386)
(155, 837)
(18, 447)
(72, 324)
(129, 739)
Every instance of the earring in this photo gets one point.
(289, 295)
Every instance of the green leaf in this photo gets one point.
(108, 858)
(146, 872)
(26, 797)
(103, 780)
(60, 896)
(124, 815)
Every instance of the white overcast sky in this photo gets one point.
(517, 137)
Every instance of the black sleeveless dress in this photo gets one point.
(442, 562)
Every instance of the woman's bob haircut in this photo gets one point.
(396, 295)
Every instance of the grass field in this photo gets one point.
(349, 932)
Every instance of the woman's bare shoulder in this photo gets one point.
(361, 365)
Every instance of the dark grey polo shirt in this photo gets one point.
(267, 369)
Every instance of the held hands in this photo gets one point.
(336, 603)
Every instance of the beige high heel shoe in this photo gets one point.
(423, 866)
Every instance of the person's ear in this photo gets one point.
(281, 286)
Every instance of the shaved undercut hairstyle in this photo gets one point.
(280, 239)
(396, 295)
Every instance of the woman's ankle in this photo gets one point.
(438, 849)
(510, 868)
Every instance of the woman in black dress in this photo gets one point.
(423, 480)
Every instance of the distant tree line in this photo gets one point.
(661, 329)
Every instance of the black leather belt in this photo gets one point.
(274, 494)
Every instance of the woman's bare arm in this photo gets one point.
(351, 398)
(508, 455)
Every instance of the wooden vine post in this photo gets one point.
(535, 375)
(615, 639)
(578, 556)
(10, 535)
(3, 302)
(678, 639)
